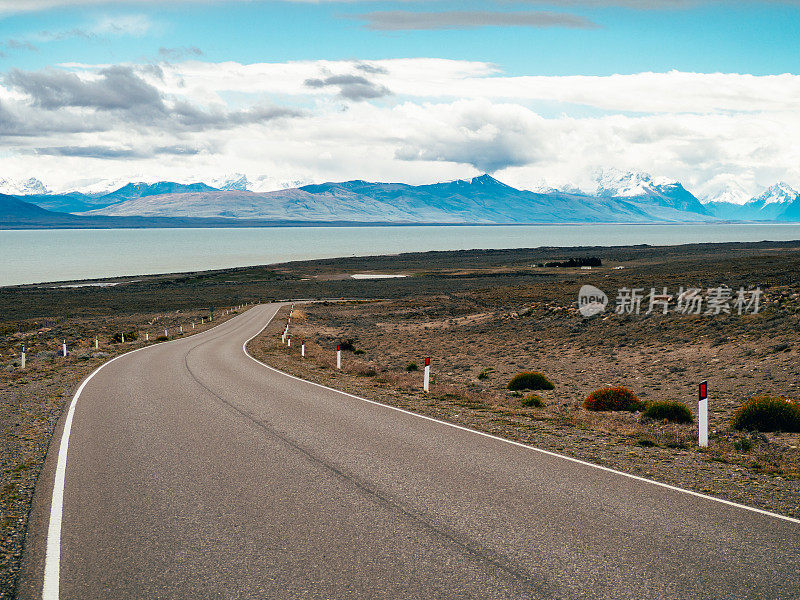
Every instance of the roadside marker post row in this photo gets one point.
(64, 352)
(702, 414)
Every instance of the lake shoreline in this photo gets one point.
(69, 255)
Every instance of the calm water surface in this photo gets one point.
(38, 256)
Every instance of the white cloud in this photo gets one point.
(423, 120)
(133, 25)
(671, 92)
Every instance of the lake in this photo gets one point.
(40, 256)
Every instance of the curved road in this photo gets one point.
(195, 472)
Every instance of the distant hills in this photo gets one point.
(618, 198)
(478, 200)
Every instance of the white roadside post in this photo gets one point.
(165, 333)
(303, 348)
(426, 381)
(146, 336)
(96, 343)
(289, 341)
(702, 415)
(64, 347)
(192, 324)
(181, 328)
(339, 357)
(22, 358)
(123, 338)
(202, 321)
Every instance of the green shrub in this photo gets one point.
(412, 366)
(483, 375)
(613, 398)
(768, 413)
(530, 380)
(359, 351)
(348, 345)
(742, 445)
(533, 401)
(675, 412)
(162, 338)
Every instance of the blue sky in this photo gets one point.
(751, 37)
(413, 91)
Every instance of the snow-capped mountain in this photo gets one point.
(772, 204)
(613, 183)
(237, 181)
(258, 183)
(734, 193)
(22, 188)
(642, 187)
(780, 193)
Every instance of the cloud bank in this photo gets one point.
(414, 120)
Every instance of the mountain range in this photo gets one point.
(777, 203)
(618, 198)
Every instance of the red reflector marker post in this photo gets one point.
(426, 382)
(702, 414)
(303, 348)
(339, 357)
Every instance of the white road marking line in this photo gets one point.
(521, 445)
(52, 561)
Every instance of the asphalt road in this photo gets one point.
(195, 472)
